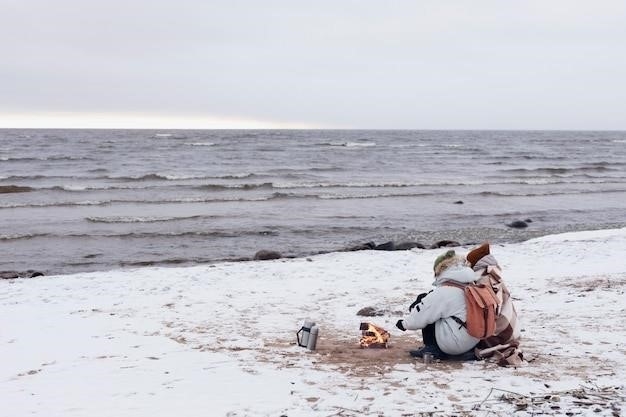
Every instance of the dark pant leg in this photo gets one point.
(428, 335)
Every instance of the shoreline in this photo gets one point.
(451, 238)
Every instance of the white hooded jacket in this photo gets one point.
(439, 306)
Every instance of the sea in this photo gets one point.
(91, 200)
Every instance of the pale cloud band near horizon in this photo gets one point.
(60, 120)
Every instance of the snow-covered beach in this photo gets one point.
(220, 339)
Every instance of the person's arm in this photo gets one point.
(417, 300)
(430, 309)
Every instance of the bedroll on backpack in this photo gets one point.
(482, 309)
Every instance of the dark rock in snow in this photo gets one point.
(518, 224)
(364, 246)
(445, 244)
(409, 245)
(9, 274)
(458, 202)
(370, 312)
(386, 246)
(264, 255)
(31, 273)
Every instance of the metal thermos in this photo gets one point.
(305, 330)
(312, 343)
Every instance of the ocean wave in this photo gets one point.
(168, 136)
(195, 233)
(74, 187)
(44, 158)
(56, 204)
(138, 178)
(131, 201)
(36, 177)
(141, 219)
(199, 144)
(444, 183)
(312, 185)
(25, 236)
(79, 188)
(171, 177)
(373, 196)
(143, 235)
(349, 144)
(279, 196)
(500, 159)
(286, 196)
(235, 176)
(251, 186)
(143, 177)
(282, 195)
(297, 172)
(547, 193)
(244, 186)
(599, 167)
(325, 169)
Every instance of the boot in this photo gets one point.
(432, 349)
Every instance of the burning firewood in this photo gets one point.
(373, 336)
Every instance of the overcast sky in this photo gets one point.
(428, 64)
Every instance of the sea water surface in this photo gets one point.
(84, 200)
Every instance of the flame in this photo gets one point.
(373, 336)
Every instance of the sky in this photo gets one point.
(429, 64)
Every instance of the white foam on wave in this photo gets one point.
(52, 204)
(343, 185)
(353, 144)
(391, 184)
(75, 187)
(199, 143)
(237, 175)
(135, 219)
(172, 177)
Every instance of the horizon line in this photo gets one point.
(154, 121)
(320, 129)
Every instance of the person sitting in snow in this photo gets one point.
(439, 312)
(505, 342)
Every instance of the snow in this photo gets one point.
(219, 339)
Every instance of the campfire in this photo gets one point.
(373, 336)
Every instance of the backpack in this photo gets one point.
(482, 307)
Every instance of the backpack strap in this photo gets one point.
(460, 286)
(460, 322)
(453, 284)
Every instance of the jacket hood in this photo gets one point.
(459, 273)
(484, 262)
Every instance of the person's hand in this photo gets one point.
(417, 301)
(400, 325)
